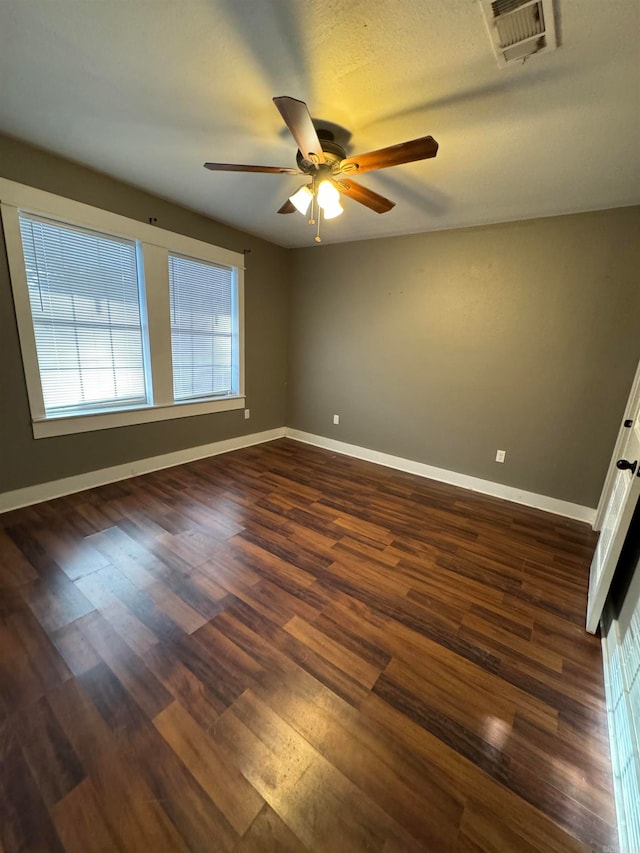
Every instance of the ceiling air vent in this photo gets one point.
(519, 28)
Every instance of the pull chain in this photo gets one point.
(312, 220)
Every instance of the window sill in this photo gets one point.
(67, 425)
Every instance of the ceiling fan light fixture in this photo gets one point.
(301, 199)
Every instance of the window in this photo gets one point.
(202, 347)
(120, 322)
(85, 308)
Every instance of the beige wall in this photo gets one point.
(444, 347)
(25, 461)
(438, 347)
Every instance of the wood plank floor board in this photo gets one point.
(134, 816)
(56, 601)
(480, 830)
(148, 618)
(134, 521)
(560, 805)
(300, 784)
(222, 681)
(332, 650)
(384, 771)
(29, 663)
(285, 649)
(130, 558)
(51, 758)
(227, 787)
(352, 640)
(256, 539)
(81, 823)
(563, 776)
(456, 774)
(96, 588)
(445, 691)
(126, 664)
(329, 813)
(16, 568)
(175, 788)
(308, 659)
(269, 834)
(75, 556)
(182, 546)
(184, 685)
(74, 648)
(274, 601)
(503, 618)
(241, 632)
(503, 641)
(24, 819)
(383, 620)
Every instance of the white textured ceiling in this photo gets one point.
(147, 91)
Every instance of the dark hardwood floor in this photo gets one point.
(282, 649)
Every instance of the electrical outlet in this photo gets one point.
(336, 419)
(500, 454)
(247, 414)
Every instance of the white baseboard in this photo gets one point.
(69, 485)
(474, 484)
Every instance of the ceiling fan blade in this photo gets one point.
(394, 155)
(365, 196)
(296, 117)
(237, 167)
(287, 207)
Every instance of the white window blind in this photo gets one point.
(203, 323)
(85, 304)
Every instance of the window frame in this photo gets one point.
(154, 246)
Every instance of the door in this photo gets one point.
(623, 481)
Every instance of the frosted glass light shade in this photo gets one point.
(330, 211)
(328, 196)
(301, 199)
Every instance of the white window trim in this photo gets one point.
(156, 245)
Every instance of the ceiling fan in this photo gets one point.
(322, 159)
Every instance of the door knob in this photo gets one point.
(625, 465)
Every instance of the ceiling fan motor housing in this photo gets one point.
(333, 153)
